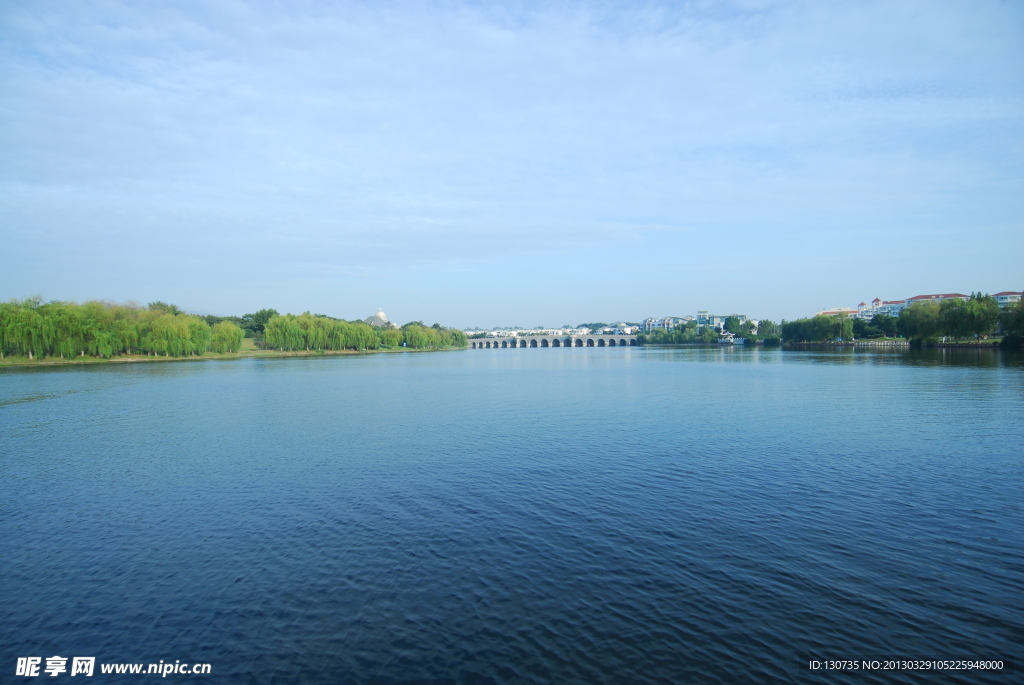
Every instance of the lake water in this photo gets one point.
(624, 515)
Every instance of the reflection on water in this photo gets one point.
(578, 515)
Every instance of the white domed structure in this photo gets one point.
(378, 320)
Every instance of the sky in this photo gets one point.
(511, 163)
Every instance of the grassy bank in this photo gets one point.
(248, 351)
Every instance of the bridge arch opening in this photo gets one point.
(579, 342)
(544, 343)
(533, 343)
(622, 342)
(556, 343)
(590, 342)
(600, 342)
(632, 343)
(522, 343)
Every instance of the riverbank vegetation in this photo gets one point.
(1011, 320)
(33, 330)
(920, 323)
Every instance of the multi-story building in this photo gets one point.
(877, 306)
(936, 298)
(666, 323)
(1005, 299)
(891, 307)
(846, 312)
(705, 318)
(619, 328)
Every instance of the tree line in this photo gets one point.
(314, 332)
(920, 322)
(36, 329)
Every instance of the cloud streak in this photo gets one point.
(367, 135)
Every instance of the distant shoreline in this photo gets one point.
(984, 345)
(12, 362)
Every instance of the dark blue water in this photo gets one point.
(514, 516)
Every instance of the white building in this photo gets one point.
(936, 298)
(705, 318)
(666, 323)
(847, 312)
(619, 328)
(1005, 299)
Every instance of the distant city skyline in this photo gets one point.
(531, 163)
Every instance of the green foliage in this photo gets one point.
(311, 332)
(683, 333)
(766, 329)
(226, 337)
(818, 329)
(98, 329)
(1014, 341)
(1012, 319)
(35, 329)
(257, 322)
(887, 325)
(390, 337)
(163, 307)
(920, 321)
(983, 314)
(956, 318)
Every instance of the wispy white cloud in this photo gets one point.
(368, 135)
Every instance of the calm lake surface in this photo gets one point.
(613, 515)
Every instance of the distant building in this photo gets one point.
(868, 311)
(846, 312)
(890, 308)
(619, 328)
(379, 320)
(705, 318)
(1005, 299)
(936, 298)
(666, 322)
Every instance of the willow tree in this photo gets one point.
(284, 333)
(456, 338)
(920, 321)
(983, 314)
(955, 318)
(198, 335)
(338, 335)
(416, 335)
(179, 335)
(389, 337)
(362, 337)
(28, 331)
(68, 338)
(226, 337)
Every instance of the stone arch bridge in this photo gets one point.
(554, 341)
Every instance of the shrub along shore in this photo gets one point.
(34, 332)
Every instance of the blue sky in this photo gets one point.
(484, 164)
